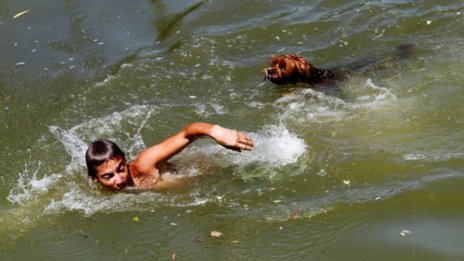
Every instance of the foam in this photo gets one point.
(304, 105)
(282, 214)
(275, 148)
(30, 187)
(73, 146)
(91, 202)
(307, 106)
(78, 199)
(379, 96)
(75, 140)
(412, 156)
(276, 145)
(209, 109)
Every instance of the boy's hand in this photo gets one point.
(231, 139)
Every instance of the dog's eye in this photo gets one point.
(282, 66)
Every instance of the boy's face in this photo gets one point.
(113, 174)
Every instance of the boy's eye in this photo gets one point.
(121, 168)
(107, 176)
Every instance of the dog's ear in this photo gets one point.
(307, 69)
(308, 73)
(276, 59)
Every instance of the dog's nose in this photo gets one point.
(270, 71)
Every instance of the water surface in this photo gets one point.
(371, 170)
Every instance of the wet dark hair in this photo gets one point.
(99, 152)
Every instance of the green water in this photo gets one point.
(370, 171)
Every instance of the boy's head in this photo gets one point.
(106, 163)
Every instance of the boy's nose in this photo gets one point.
(119, 179)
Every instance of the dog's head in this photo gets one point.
(288, 68)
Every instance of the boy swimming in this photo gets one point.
(106, 163)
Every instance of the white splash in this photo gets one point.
(378, 96)
(412, 156)
(73, 145)
(75, 139)
(91, 202)
(30, 187)
(308, 105)
(274, 146)
(209, 109)
(77, 199)
(278, 146)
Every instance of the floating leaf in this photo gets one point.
(136, 219)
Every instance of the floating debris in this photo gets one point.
(293, 215)
(20, 14)
(405, 232)
(347, 182)
(136, 219)
(412, 156)
(216, 234)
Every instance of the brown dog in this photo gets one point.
(291, 68)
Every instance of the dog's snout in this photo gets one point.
(270, 71)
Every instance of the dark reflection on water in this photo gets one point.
(372, 168)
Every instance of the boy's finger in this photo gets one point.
(233, 148)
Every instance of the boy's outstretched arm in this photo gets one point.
(148, 159)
